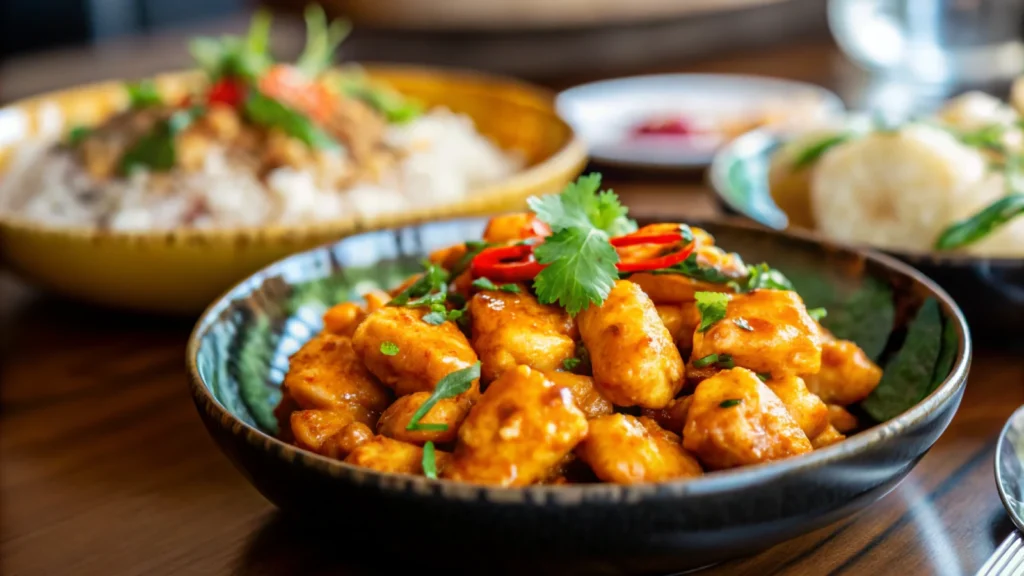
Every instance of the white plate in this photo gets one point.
(604, 113)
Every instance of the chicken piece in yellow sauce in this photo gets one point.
(513, 227)
(314, 430)
(326, 373)
(827, 438)
(846, 375)
(386, 455)
(634, 359)
(447, 411)
(514, 328)
(584, 393)
(782, 339)
(736, 420)
(627, 450)
(521, 427)
(673, 416)
(808, 410)
(841, 419)
(426, 353)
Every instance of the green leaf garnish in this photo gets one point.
(743, 324)
(981, 224)
(909, 375)
(429, 461)
(764, 376)
(396, 108)
(388, 348)
(322, 40)
(570, 364)
(266, 111)
(812, 152)
(692, 269)
(580, 205)
(725, 361)
(581, 269)
(78, 134)
(705, 361)
(435, 318)
(155, 150)
(450, 386)
(487, 284)
(762, 277)
(473, 248)
(712, 307)
(433, 278)
(730, 403)
(143, 94)
(817, 314)
(234, 56)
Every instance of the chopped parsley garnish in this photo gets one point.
(581, 260)
(435, 318)
(487, 284)
(155, 150)
(762, 277)
(692, 269)
(570, 364)
(743, 324)
(246, 57)
(143, 94)
(764, 376)
(818, 314)
(388, 348)
(322, 40)
(730, 403)
(720, 360)
(450, 386)
(712, 307)
(429, 461)
(433, 278)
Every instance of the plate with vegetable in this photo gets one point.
(941, 191)
(569, 384)
(679, 120)
(159, 193)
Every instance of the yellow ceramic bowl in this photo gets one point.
(183, 270)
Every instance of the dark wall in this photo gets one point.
(33, 25)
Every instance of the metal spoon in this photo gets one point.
(1008, 559)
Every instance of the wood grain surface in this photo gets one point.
(105, 468)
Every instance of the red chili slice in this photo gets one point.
(226, 91)
(665, 261)
(506, 264)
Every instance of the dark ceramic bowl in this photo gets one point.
(989, 290)
(238, 354)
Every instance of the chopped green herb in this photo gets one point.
(473, 248)
(429, 461)
(570, 364)
(266, 111)
(434, 278)
(987, 137)
(686, 233)
(705, 361)
(246, 57)
(487, 284)
(712, 307)
(725, 361)
(155, 150)
(909, 375)
(764, 376)
(811, 153)
(78, 134)
(762, 277)
(730, 403)
(435, 318)
(818, 314)
(143, 94)
(743, 324)
(388, 348)
(396, 108)
(692, 269)
(431, 427)
(981, 224)
(450, 386)
(322, 41)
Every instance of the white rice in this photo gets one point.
(446, 159)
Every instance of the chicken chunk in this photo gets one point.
(345, 442)
(584, 393)
(672, 317)
(673, 288)
(519, 429)
(846, 375)
(343, 319)
(673, 416)
(512, 329)
(386, 455)
(634, 360)
(808, 410)
(691, 319)
(512, 227)
(313, 429)
(426, 353)
(783, 339)
(827, 438)
(327, 374)
(449, 257)
(736, 420)
(448, 411)
(627, 450)
(841, 418)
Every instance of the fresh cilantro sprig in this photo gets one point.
(712, 307)
(487, 284)
(450, 386)
(579, 256)
(245, 57)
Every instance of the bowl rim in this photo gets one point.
(570, 155)
(716, 483)
(760, 137)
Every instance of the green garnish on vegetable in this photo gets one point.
(712, 307)
(817, 314)
(246, 57)
(743, 324)
(266, 111)
(909, 375)
(761, 277)
(143, 94)
(487, 284)
(429, 461)
(322, 40)
(705, 361)
(692, 269)
(581, 260)
(388, 348)
(570, 364)
(450, 386)
(812, 152)
(730, 403)
(976, 227)
(155, 151)
(433, 278)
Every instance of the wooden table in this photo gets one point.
(105, 468)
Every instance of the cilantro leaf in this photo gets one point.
(450, 386)
(322, 41)
(143, 94)
(245, 57)
(434, 278)
(435, 318)
(388, 348)
(817, 313)
(580, 205)
(571, 363)
(429, 461)
(581, 268)
(730, 403)
(712, 307)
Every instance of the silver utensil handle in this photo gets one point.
(1007, 560)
